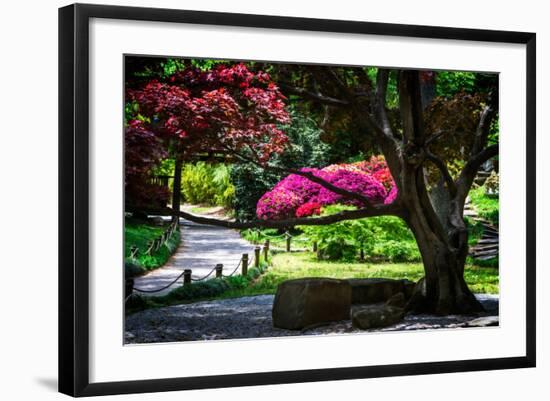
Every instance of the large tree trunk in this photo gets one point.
(176, 194)
(443, 289)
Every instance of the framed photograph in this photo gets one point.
(251, 199)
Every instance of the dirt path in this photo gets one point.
(201, 248)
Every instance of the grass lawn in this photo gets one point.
(139, 234)
(486, 206)
(287, 266)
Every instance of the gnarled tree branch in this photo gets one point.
(468, 173)
(483, 129)
(379, 210)
(319, 97)
(440, 164)
(310, 176)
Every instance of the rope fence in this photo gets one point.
(236, 268)
(244, 263)
(159, 289)
(288, 241)
(205, 277)
(157, 243)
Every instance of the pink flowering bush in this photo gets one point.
(277, 205)
(298, 196)
(361, 183)
(392, 195)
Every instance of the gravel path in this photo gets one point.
(201, 248)
(250, 317)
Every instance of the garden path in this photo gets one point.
(201, 248)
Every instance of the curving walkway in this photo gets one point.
(202, 247)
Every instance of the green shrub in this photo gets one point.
(203, 183)
(209, 288)
(238, 282)
(201, 289)
(396, 251)
(380, 238)
(337, 249)
(139, 235)
(132, 268)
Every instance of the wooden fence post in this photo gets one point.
(187, 277)
(314, 246)
(244, 265)
(257, 256)
(266, 250)
(150, 245)
(133, 251)
(219, 270)
(288, 237)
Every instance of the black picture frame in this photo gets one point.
(74, 198)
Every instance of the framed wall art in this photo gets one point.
(251, 199)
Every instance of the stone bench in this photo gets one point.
(305, 302)
(376, 290)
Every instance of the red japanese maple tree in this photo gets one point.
(228, 109)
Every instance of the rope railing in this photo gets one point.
(204, 277)
(162, 288)
(244, 263)
(157, 243)
(234, 270)
(288, 237)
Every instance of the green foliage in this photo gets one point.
(203, 183)
(139, 235)
(276, 237)
(305, 147)
(475, 230)
(494, 132)
(166, 167)
(250, 182)
(493, 262)
(201, 289)
(171, 65)
(492, 185)
(206, 64)
(381, 238)
(449, 83)
(486, 206)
